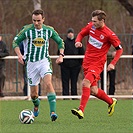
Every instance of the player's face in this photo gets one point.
(97, 23)
(37, 21)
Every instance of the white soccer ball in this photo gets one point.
(26, 116)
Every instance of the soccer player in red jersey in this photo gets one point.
(100, 38)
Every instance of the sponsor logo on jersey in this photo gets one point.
(94, 42)
(38, 42)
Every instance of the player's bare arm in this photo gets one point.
(20, 57)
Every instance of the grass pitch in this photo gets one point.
(96, 119)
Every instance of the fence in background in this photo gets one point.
(123, 87)
(124, 70)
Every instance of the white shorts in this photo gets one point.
(37, 70)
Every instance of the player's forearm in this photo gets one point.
(17, 51)
(20, 56)
(60, 44)
(61, 51)
(117, 56)
(84, 32)
(79, 38)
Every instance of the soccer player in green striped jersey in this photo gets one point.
(35, 38)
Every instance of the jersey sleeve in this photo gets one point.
(55, 36)
(19, 38)
(84, 32)
(114, 40)
(117, 56)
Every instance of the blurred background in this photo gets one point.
(62, 14)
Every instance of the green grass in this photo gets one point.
(96, 119)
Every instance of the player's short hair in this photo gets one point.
(100, 14)
(38, 12)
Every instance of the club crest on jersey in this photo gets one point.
(38, 42)
(102, 37)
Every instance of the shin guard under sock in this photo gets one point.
(36, 102)
(84, 98)
(52, 102)
(103, 96)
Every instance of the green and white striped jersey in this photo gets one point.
(36, 42)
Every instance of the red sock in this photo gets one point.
(103, 96)
(84, 98)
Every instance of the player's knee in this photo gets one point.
(86, 83)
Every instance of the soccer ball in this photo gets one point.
(26, 116)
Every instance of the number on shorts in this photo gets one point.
(30, 80)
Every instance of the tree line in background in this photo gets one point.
(62, 14)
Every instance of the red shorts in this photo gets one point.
(92, 76)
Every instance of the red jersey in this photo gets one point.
(98, 44)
